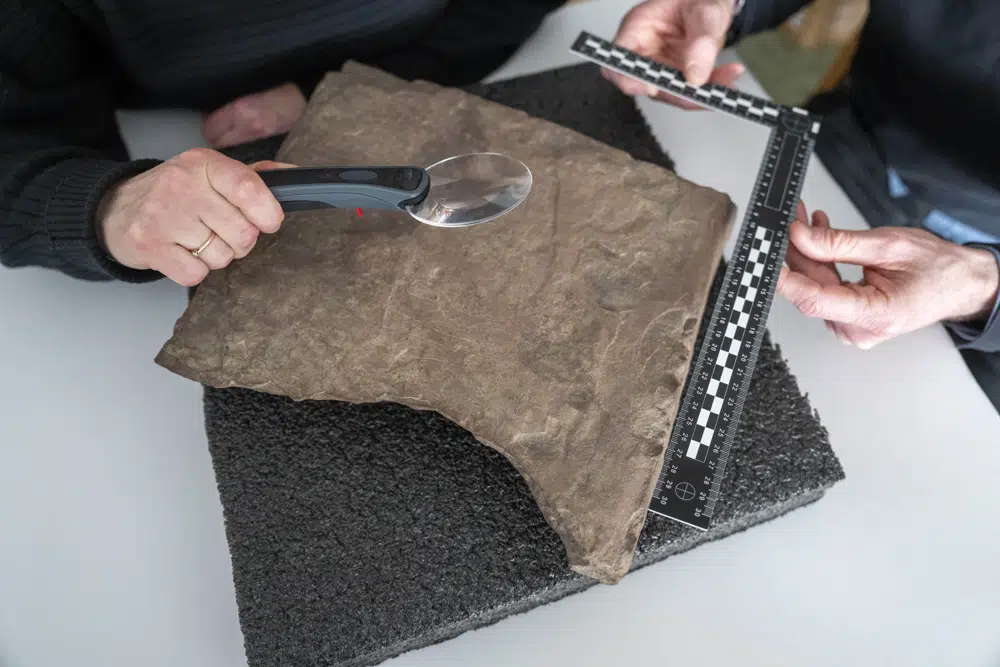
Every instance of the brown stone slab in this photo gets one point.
(560, 334)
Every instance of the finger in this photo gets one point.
(245, 189)
(853, 335)
(840, 303)
(217, 124)
(839, 330)
(241, 134)
(825, 273)
(728, 74)
(645, 29)
(249, 120)
(626, 84)
(724, 75)
(180, 265)
(214, 230)
(263, 165)
(820, 219)
(832, 328)
(209, 212)
(252, 115)
(235, 232)
(826, 244)
(659, 30)
(645, 26)
(705, 25)
(801, 214)
(821, 272)
(217, 254)
(795, 260)
(233, 137)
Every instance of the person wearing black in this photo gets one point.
(912, 135)
(73, 201)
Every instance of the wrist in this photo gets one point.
(111, 218)
(983, 286)
(101, 216)
(104, 215)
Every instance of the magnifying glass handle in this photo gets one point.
(308, 188)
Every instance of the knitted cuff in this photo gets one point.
(78, 185)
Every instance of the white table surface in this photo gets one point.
(112, 550)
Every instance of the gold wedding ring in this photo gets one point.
(203, 245)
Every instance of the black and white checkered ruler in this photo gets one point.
(687, 489)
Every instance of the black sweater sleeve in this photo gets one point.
(60, 149)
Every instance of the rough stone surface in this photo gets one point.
(359, 532)
(560, 334)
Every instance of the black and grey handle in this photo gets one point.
(307, 188)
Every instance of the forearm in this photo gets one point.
(759, 15)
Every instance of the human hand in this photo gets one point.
(686, 34)
(912, 279)
(255, 116)
(161, 218)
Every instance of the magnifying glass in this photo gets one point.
(458, 191)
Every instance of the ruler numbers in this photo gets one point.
(688, 486)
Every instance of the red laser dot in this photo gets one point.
(359, 212)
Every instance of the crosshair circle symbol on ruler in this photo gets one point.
(684, 491)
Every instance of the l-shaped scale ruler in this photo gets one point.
(687, 489)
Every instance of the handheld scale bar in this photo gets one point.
(687, 488)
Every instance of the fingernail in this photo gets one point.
(696, 73)
(652, 90)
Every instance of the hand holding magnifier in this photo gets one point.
(456, 192)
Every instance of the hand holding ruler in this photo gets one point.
(687, 488)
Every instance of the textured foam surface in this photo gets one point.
(359, 532)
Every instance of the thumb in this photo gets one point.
(270, 164)
(826, 244)
(705, 26)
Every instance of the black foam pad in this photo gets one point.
(359, 532)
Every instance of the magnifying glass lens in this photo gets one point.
(471, 189)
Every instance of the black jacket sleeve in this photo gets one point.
(60, 149)
(759, 15)
(985, 335)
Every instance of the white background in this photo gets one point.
(112, 550)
